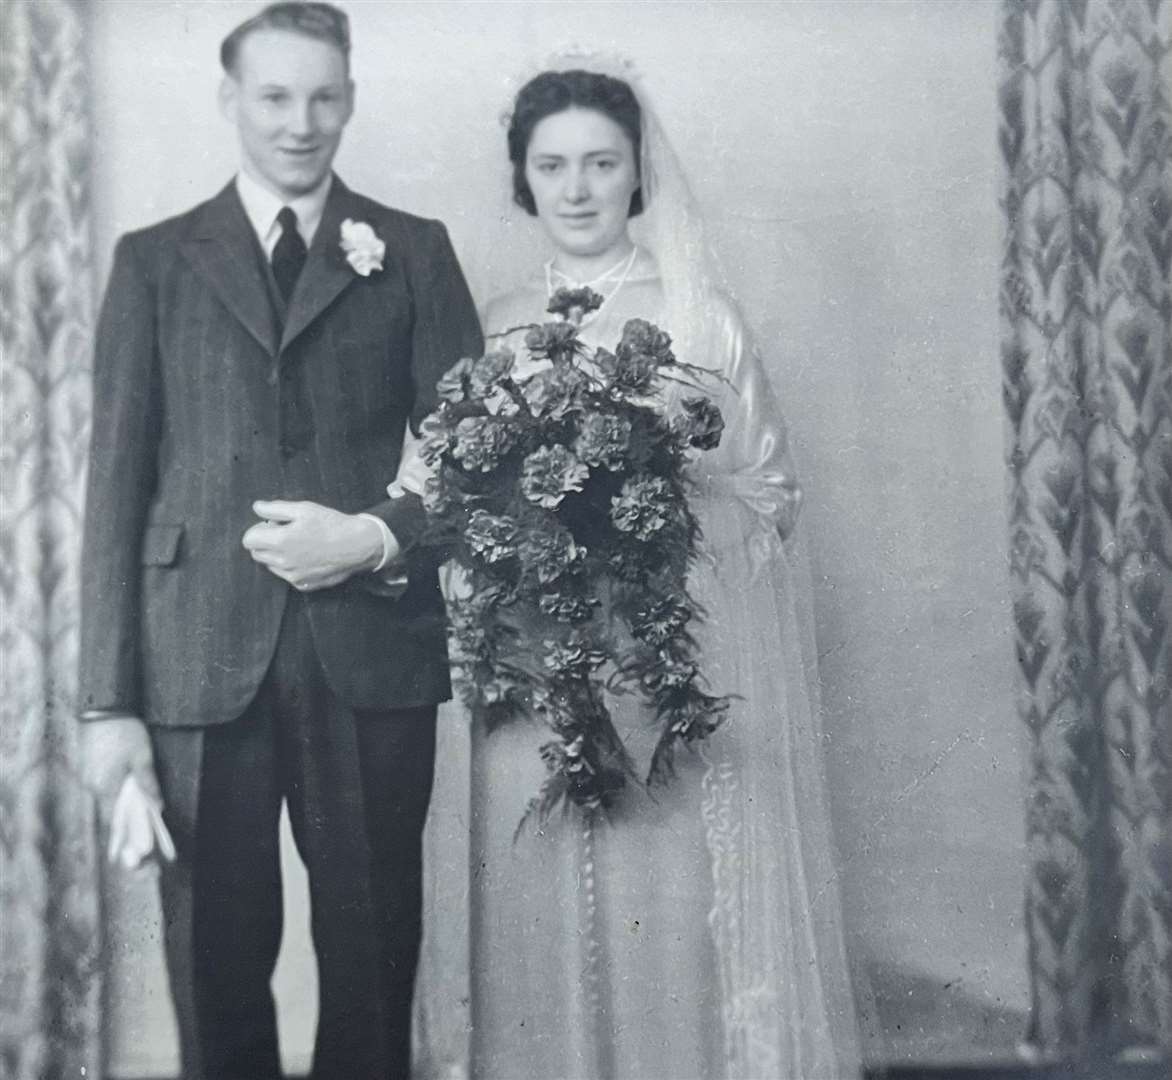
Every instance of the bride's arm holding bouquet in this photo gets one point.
(753, 467)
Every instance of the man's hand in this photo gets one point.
(311, 546)
(114, 747)
(119, 766)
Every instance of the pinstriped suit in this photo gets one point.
(209, 394)
(190, 369)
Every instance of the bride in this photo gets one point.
(696, 931)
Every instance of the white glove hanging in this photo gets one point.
(137, 829)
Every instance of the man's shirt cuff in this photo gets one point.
(391, 547)
(108, 714)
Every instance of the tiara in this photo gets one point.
(574, 56)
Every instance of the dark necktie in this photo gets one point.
(296, 414)
(289, 254)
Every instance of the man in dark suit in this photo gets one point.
(258, 360)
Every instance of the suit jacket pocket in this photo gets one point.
(160, 545)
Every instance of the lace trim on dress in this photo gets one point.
(749, 1004)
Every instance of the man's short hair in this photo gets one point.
(316, 20)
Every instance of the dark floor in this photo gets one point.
(1089, 1071)
(1102, 1071)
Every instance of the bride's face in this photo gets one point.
(582, 171)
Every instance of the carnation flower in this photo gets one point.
(494, 697)
(642, 506)
(475, 379)
(552, 393)
(489, 595)
(488, 371)
(640, 336)
(472, 639)
(453, 383)
(574, 304)
(669, 674)
(549, 553)
(436, 498)
(603, 440)
(700, 423)
(364, 250)
(549, 473)
(629, 372)
(576, 657)
(499, 690)
(491, 536)
(567, 607)
(435, 438)
(481, 441)
(632, 367)
(555, 340)
(663, 620)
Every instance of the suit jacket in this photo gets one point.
(208, 396)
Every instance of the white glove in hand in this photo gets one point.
(119, 766)
(136, 827)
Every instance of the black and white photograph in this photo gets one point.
(586, 540)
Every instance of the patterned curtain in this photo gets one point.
(49, 933)
(1086, 135)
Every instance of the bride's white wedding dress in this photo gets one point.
(697, 933)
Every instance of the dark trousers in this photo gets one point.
(357, 785)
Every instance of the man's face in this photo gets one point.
(290, 99)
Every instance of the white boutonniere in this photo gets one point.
(364, 250)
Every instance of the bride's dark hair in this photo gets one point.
(555, 91)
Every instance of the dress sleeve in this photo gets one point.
(753, 462)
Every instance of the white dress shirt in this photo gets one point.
(262, 207)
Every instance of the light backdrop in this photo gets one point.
(845, 153)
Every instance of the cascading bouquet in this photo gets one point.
(563, 496)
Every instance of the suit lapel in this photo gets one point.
(223, 249)
(326, 272)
